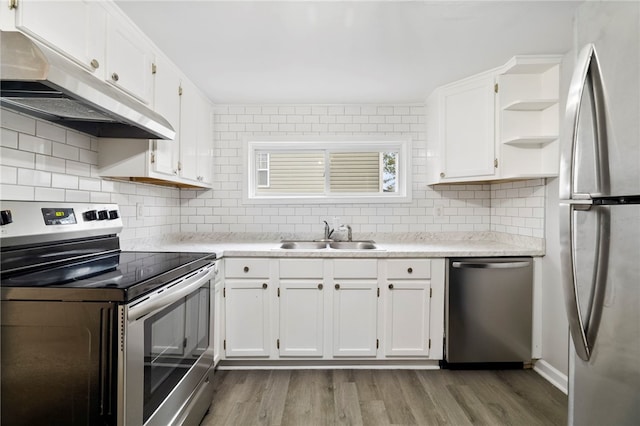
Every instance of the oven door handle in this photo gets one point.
(170, 293)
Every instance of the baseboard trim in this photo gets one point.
(552, 375)
(331, 365)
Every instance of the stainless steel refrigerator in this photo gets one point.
(600, 216)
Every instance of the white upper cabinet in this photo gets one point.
(130, 61)
(498, 125)
(75, 29)
(468, 150)
(167, 103)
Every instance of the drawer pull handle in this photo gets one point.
(95, 64)
(265, 286)
(390, 286)
(410, 270)
(320, 286)
(337, 286)
(246, 269)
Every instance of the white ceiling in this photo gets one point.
(262, 52)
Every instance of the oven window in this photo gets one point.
(174, 339)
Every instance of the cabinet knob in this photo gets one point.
(337, 286)
(442, 174)
(320, 286)
(115, 76)
(246, 269)
(410, 270)
(390, 286)
(95, 64)
(265, 286)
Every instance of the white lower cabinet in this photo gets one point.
(407, 308)
(355, 313)
(217, 320)
(333, 309)
(248, 301)
(301, 292)
(301, 318)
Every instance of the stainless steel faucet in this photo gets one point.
(327, 231)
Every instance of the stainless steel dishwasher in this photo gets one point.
(489, 311)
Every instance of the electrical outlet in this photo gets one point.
(139, 210)
(438, 211)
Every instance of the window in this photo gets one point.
(335, 171)
(262, 169)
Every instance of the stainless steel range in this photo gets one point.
(92, 335)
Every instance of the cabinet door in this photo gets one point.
(217, 321)
(468, 128)
(355, 306)
(188, 131)
(204, 142)
(74, 28)
(247, 318)
(406, 318)
(301, 318)
(167, 104)
(129, 61)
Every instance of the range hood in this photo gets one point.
(42, 83)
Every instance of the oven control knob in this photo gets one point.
(113, 214)
(5, 217)
(103, 215)
(90, 215)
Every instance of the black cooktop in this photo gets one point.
(120, 276)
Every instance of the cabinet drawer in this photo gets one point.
(408, 268)
(246, 268)
(301, 268)
(355, 268)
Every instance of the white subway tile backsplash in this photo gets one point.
(8, 175)
(67, 152)
(34, 144)
(16, 192)
(18, 122)
(9, 138)
(16, 158)
(514, 207)
(49, 194)
(50, 131)
(29, 177)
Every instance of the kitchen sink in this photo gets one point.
(303, 245)
(320, 245)
(353, 245)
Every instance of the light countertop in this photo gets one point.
(414, 245)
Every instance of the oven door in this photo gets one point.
(168, 352)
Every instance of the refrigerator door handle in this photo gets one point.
(576, 323)
(587, 76)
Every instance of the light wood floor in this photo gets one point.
(385, 397)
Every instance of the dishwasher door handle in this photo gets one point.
(490, 265)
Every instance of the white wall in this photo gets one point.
(44, 162)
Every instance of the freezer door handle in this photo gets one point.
(586, 77)
(490, 265)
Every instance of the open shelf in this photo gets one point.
(530, 140)
(530, 104)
